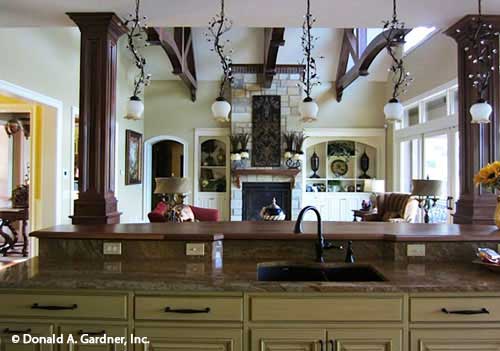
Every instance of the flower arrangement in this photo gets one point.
(489, 176)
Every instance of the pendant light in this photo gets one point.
(481, 54)
(308, 108)
(218, 26)
(136, 38)
(401, 79)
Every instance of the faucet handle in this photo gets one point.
(349, 254)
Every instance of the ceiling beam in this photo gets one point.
(178, 45)
(355, 46)
(274, 38)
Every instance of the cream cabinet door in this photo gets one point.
(365, 339)
(190, 339)
(288, 339)
(455, 339)
(8, 330)
(89, 337)
(217, 201)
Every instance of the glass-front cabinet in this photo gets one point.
(212, 170)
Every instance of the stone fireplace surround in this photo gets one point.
(244, 87)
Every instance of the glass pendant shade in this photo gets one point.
(221, 109)
(309, 110)
(393, 111)
(135, 108)
(481, 112)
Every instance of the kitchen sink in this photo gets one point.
(318, 273)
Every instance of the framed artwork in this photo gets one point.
(266, 131)
(133, 157)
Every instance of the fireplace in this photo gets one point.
(258, 195)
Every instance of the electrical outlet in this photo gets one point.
(195, 249)
(498, 248)
(112, 248)
(415, 250)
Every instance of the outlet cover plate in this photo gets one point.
(112, 248)
(498, 248)
(415, 250)
(195, 249)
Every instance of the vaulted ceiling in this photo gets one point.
(255, 13)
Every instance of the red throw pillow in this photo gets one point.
(158, 214)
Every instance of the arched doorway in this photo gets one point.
(164, 156)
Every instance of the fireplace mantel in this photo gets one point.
(282, 172)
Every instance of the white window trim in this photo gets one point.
(448, 122)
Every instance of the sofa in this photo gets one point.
(184, 213)
(393, 207)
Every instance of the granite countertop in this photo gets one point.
(279, 230)
(238, 276)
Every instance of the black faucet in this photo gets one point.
(321, 244)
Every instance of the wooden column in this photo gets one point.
(97, 203)
(479, 144)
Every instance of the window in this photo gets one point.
(436, 108)
(411, 117)
(417, 36)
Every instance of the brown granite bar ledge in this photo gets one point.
(204, 231)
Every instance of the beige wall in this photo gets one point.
(46, 60)
(362, 105)
(170, 111)
(432, 64)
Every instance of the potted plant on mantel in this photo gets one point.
(293, 155)
(489, 177)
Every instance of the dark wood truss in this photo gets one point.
(178, 45)
(354, 45)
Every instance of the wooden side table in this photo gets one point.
(8, 216)
(360, 214)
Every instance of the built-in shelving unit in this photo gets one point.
(340, 166)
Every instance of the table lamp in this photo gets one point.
(172, 189)
(427, 193)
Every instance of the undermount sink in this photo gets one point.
(318, 273)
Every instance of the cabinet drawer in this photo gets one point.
(189, 308)
(7, 330)
(64, 306)
(460, 309)
(342, 309)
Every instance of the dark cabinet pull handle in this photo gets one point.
(321, 345)
(36, 306)
(13, 331)
(186, 310)
(332, 344)
(466, 312)
(81, 332)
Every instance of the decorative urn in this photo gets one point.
(272, 212)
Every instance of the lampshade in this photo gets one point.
(481, 112)
(221, 109)
(374, 186)
(426, 187)
(309, 110)
(393, 111)
(172, 185)
(135, 108)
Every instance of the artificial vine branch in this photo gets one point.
(218, 26)
(481, 53)
(309, 78)
(401, 79)
(136, 38)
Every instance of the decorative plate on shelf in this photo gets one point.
(339, 168)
